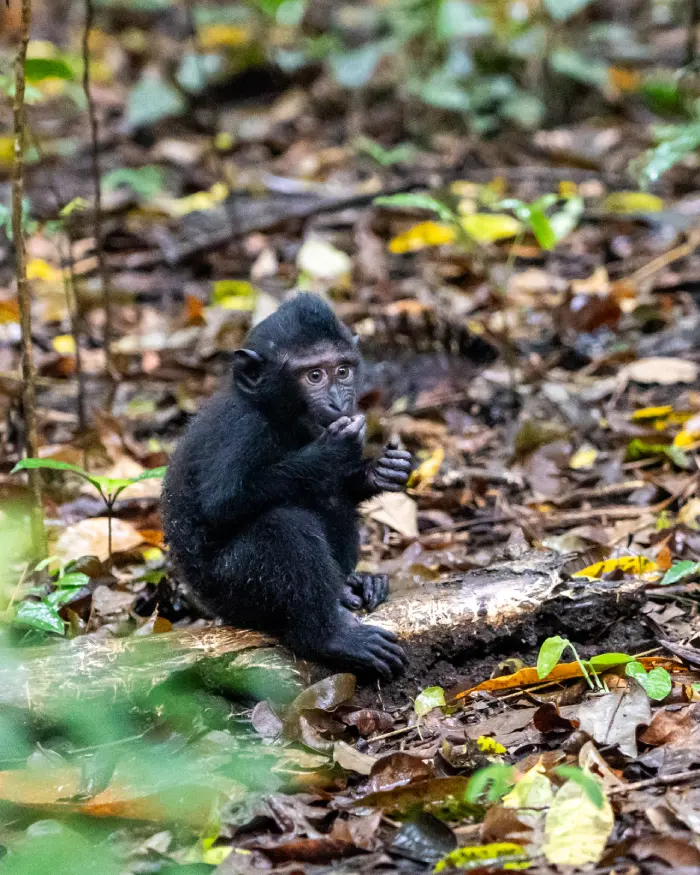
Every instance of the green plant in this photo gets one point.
(109, 488)
(490, 784)
(674, 143)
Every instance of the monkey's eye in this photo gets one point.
(315, 376)
(343, 372)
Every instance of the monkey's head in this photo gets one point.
(300, 365)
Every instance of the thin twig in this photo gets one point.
(23, 296)
(97, 186)
(659, 781)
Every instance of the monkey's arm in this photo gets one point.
(228, 501)
(389, 472)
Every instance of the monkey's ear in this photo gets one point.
(247, 367)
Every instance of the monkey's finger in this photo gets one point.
(339, 424)
(399, 455)
(396, 464)
(392, 656)
(394, 444)
(350, 600)
(391, 474)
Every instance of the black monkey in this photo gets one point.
(260, 497)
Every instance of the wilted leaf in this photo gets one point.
(583, 459)
(532, 791)
(576, 829)
(422, 236)
(320, 261)
(661, 371)
(89, 538)
(396, 510)
(632, 202)
(424, 838)
(614, 718)
(490, 227)
(351, 759)
(431, 697)
(424, 474)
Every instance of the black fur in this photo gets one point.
(260, 499)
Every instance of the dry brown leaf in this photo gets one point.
(661, 371)
(90, 538)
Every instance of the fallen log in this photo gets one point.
(460, 629)
(454, 632)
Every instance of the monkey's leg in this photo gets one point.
(290, 585)
(363, 590)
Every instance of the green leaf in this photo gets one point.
(38, 69)
(679, 571)
(550, 654)
(355, 68)
(73, 580)
(494, 781)
(431, 697)
(657, 683)
(386, 157)
(417, 201)
(560, 10)
(639, 449)
(676, 144)
(52, 464)
(567, 218)
(462, 19)
(146, 181)
(152, 100)
(584, 780)
(609, 660)
(40, 616)
(569, 63)
(542, 228)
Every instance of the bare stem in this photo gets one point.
(693, 21)
(96, 176)
(23, 296)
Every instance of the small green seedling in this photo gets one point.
(110, 488)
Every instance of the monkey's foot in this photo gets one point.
(365, 591)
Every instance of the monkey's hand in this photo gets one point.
(344, 440)
(365, 591)
(389, 472)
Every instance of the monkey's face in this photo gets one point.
(326, 378)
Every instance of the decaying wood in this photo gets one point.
(40, 678)
(463, 628)
(452, 632)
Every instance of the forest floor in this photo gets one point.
(547, 381)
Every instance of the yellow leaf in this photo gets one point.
(426, 471)
(38, 269)
(689, 513)
(576, 830)
(504, 855)
(583, 458)
(64, 344)
(7, 151)
(214, 36)
(567, 188)
(216, 856)
(234, 295)
(652, 412)
(200, 200)
(632, 202)
(489, 227)
(628, 564)
(489, 745)
(532, 795)
(422, 236)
